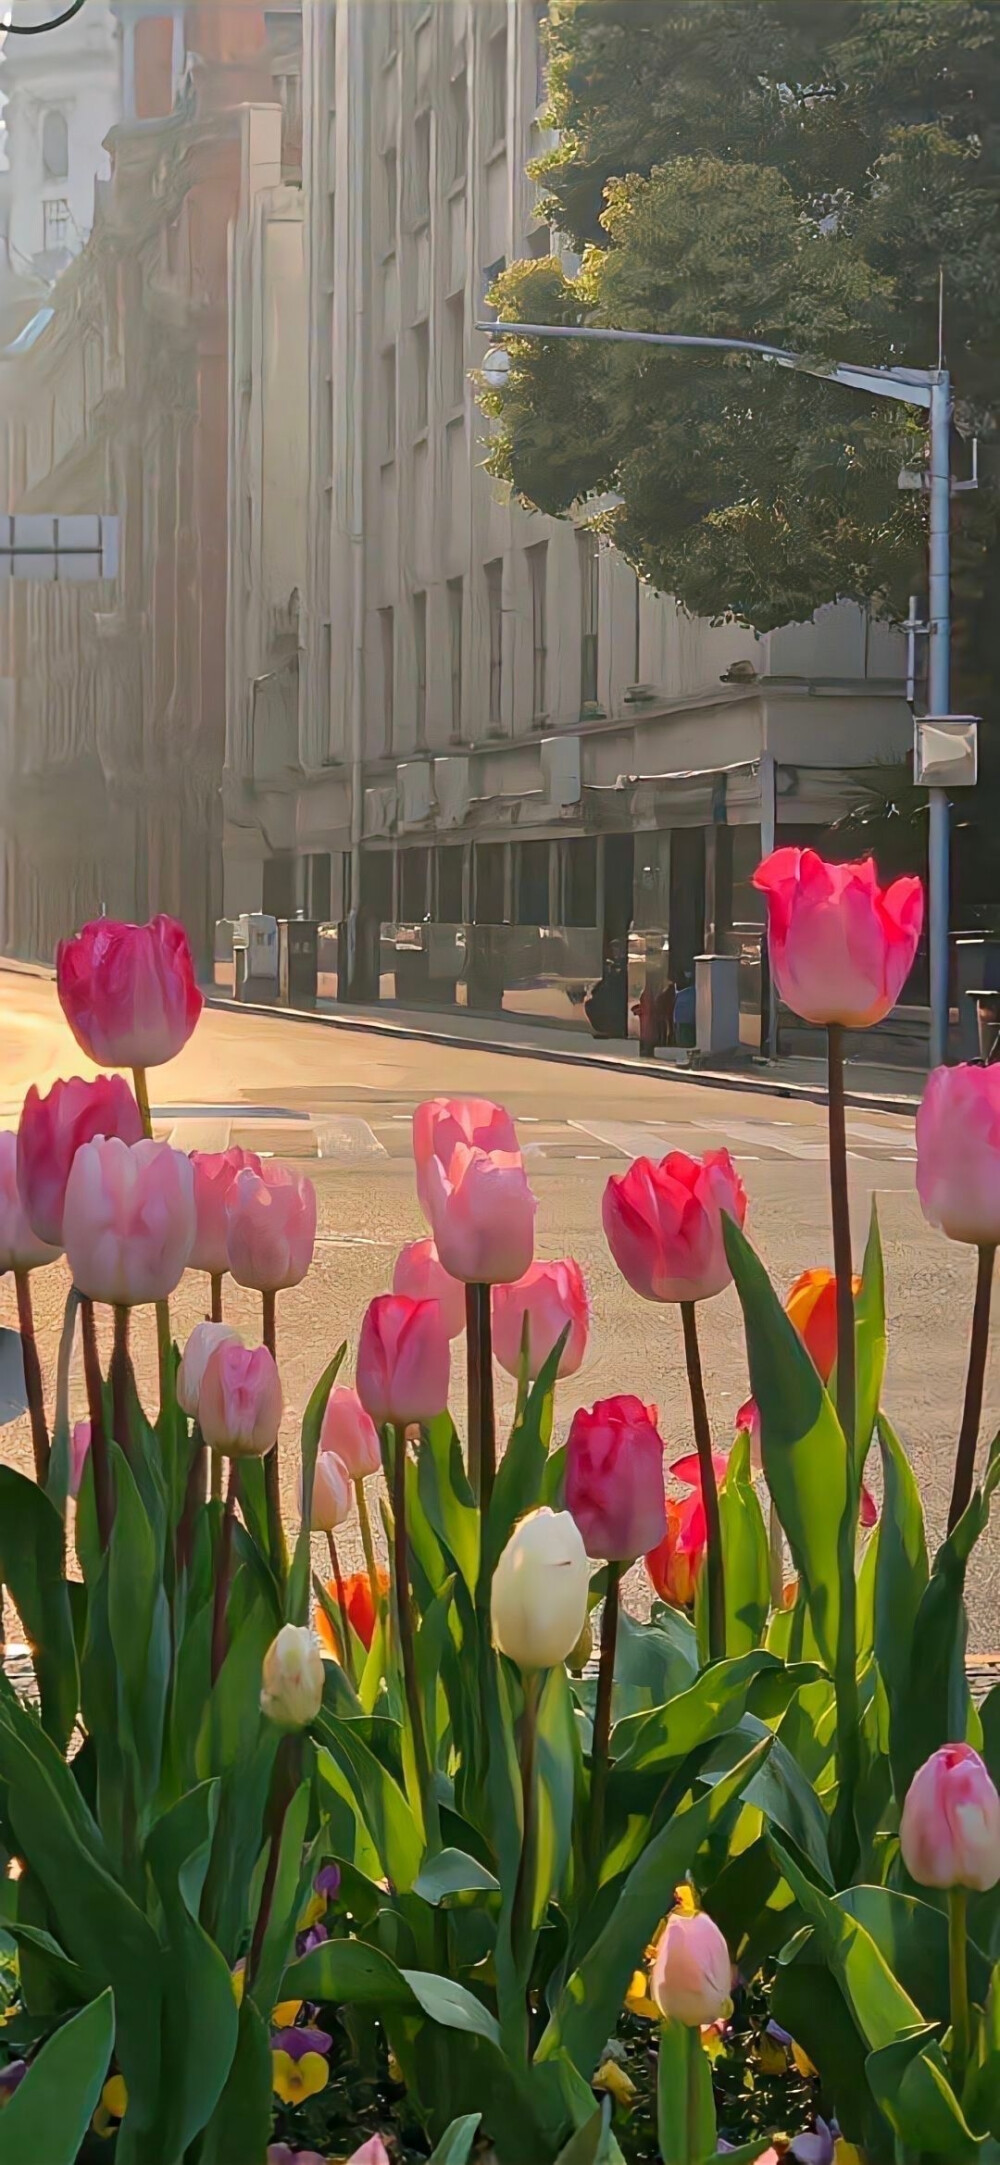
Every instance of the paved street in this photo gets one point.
(341, 1100)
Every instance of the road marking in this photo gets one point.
(351, 1140)
(864, 1131)
(588, 1157)
(762, 1131)
(630, 1140)
(210, 1135)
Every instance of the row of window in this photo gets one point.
(536, 557)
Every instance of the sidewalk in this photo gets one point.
(880, 1088)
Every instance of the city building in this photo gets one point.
(466, 716)
(62, 95)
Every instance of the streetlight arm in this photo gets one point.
(910, 386)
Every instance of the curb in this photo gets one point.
(556, 1055)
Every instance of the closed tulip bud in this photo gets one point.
(950, 1829)
(812, 1307)
(664, 1224)
(239, 1404)
(958, 1153)
(540, 1588)
(675, 1564)
(332, 1494)
(549, 1297)
(271, 1227)
(441, 1124)
(214, 1173)
(128, 992)
(841, 946)
(128, 1223)
(350, 1432)
(20, 1247)
(421, 1275)
(198, 1351)
(614, 1478)
(691, 1977)
(473, 1189)
(292, 1680)
(404, 1360)
(50, 1133)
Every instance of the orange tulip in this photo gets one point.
(812, 1307)
(360, 1608)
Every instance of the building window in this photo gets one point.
(449, 864)
(55, 146)
(390, 196)
(387, 657)
(389, 400)
(538, 567)
(532, 883)
(494, 604)
(421, 169)
(454, 359)
(459, 130)
(421, 371)
(414, 868)
(55, 224)
(420, 662)
(588, 548)
(489, 875)
(455, 598)
(579, 901)
(496, 91)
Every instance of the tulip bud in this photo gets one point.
(292, 1678)
(540, 1588)
(270, 1227)
(20, 1247)
(214, 1173)
(614, 1478)
(50, 1133)
(958, 1153)
(691, 1977)
(331, 1495)
(546, 1299)
(198, 1351)
(664, 1224)
(350, 1432)
(950, 1829)
(841, 947)
(129, 992)
(404, 1360)
(239, 1404)
(473, 1189)
(128, 1222)
(421, 1275)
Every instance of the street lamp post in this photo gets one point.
(929, 388)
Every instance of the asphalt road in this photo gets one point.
(342, 1100)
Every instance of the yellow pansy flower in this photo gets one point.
(295, 2080)
(112, 2106)
(684, 1900)
(847, 2153)
(803, 2062)
(238, 1980)
(613, 2079)
(773, 2056)
(313, 1912)
(285, 2013)
(637, 1999)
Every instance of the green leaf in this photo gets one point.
(297, 1600)
(200, 2016)
(456, 2143)
(900, 1579)
(354, 1975)
(685, 2105)
(655, 1660)
(870, 1344)
(803, 1447)
(588, 2145)
(451, 1872)
(449, 2004)
(57, 1485)
(559, 1777)
(588, 2006)
(882, 2010)
(443, 1488)
(745, 1553)
(286, 1901)
(807, 2000)
(33, 1568)
(139, 1624)
(933, 1703)
(909, 2081)
(386, 1813)
(241, 2123)
(711, 1705)
(519, 1476)
(912, 1937)
(48, 2115)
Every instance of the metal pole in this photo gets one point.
(939, 701)
(768, 780)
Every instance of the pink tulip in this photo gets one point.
(198, 1351)
(482, 1212)
(614, 1478)
(404, 1360)
(129, 1220)
(748, 1423)
(958, 1153)
(550, 1296)
(79, 1452)
(950, 1829)
(350, 1432)
(271, 1227)
(664, 1224)
(421, 1275)
(128, 992)
(239, 1405)
(691, 1977)
(214, 1174)
(441, 1124)
(20, 1247)
(332, 1494)
(841, 946)
(372, 2152)
(49, 1136)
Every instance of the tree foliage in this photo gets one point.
(793, 171)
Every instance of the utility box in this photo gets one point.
(255, 956)
(717, 1003)
(298, 961)
(977, 964)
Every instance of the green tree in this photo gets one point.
(795, 171)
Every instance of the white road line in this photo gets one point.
(208, 1135)
(631, 1140)
(346, 1138)
(789, 1144)
(864, 1131)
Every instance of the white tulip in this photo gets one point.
(540, 1587)
(292, 1684)
(195, 1358)
(332, 1494)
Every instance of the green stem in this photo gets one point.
(104, 1495)
(482, 1425)
(848, 1707)
(709, 1493)
(407, 1648)
(843, 1260)
(965, 1457)
(272, 1469)
(521, 1908)
(776, 1555)
(120, 1380)
(32, 1377)
(223, 1566)
(368, 1546)
(345, 1622)
(958, 1976)
(600, 1750)
(215, 1283)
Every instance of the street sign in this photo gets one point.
(75, 547)
(946, 751)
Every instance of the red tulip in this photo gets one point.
(614, 1478)
(688, 1469)
(404, 1360)
(128, 992)
(270, 1227)
(664, 1224)
(20, 1247)
(360, 1608)
(674, 1565)
(351, 1433)
(50, 1133)
(128, 1224)
(214, 1173)
(550, 1296)
(841, 946)
(239, 1404)
(958, 1153)
(421, 1275)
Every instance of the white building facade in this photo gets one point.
(63, 95)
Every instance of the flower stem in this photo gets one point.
(776, 1554)
(482, 1427)
(32, 1377)
(843, 1261)
(709, 1493)
(99, 1459)
(600, 1747)
(194, 1496)
(223, 1566)
(272, 1470)
(965, 1457)
(848, 1756)
(284, 1782)
(215, 1283)
(368, 1546)
(345, 1622)
(958, 1975)
(120, 1378)
(521, 1908)
(141, 1088)
(407, 1648)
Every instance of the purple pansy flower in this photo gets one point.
(819, 2148)
(298, 2042)
(327, 1881)
(315, 1937)
(12, 2076)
